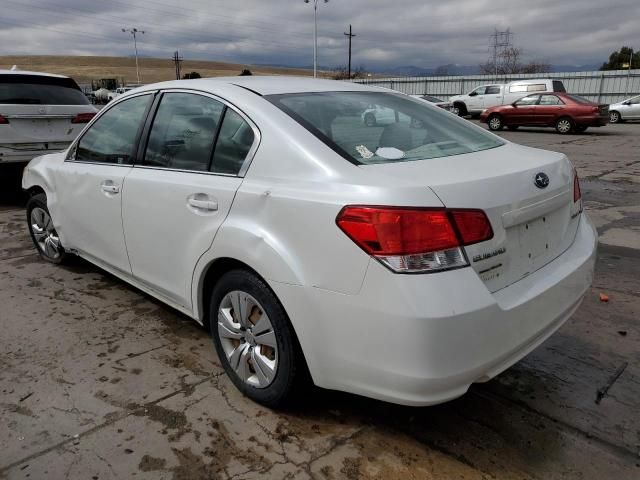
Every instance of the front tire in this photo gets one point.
(564, 126)
(614, 117)
(44, 235)
(254, 339)
(459, 109)
(495, 123)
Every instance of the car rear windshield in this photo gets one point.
(40, 90)
(380, 127)
(578, 99)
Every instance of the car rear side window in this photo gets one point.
(40, 90)
(183, 132)
(379, 127)
(112, 137)
(233, 145)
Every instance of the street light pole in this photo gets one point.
(134, 31)
(315, 35)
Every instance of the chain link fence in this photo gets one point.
(602, 87)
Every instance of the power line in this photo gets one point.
(350, 35)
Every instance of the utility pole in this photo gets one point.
(315, 35)
(350, 35)
(177, 60)
(134, 31)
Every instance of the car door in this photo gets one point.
(523, 111)
(475, 101)
(492, 96)
(633, 109)
(90, 183)
(547, 110)
(181, 189)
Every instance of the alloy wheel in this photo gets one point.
(564, 125)
(495, 123)
(44, 234)
(614, 117)
(248, 339)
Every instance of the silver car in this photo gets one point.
(626, 110)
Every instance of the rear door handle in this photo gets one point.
(203, 202)
(110, 187)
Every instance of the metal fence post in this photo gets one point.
(600, 87)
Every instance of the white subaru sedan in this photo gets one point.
(403, 261)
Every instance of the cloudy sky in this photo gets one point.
(425, 33)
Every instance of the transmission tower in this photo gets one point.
(500, 42)
(177, 60)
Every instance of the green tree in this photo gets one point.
(619, 60)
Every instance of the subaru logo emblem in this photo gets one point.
(541, 180)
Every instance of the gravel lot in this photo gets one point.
(99, 381)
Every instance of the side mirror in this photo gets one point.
(473, 94)
(626, 103)
(514, 104)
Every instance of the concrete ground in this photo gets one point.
(99, 381)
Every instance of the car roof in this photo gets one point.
(264, 85)
(27, 72)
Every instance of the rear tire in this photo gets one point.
(614, 117)
(495, 123)
(564, 125)
(43, 234)
(268, 365)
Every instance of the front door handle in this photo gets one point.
(109, 187)
(202, 202)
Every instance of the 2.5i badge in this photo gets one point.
(486, 255)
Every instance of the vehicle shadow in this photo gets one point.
(11, 194)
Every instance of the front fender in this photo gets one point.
(39, 172)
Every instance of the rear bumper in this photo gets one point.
(424, 339)
(591, 121)
(14, 155)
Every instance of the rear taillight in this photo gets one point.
(411, 240)
(83, 117)
(577, 194)
(3, 120)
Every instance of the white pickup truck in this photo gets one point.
(486, 96)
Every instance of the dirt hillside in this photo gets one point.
(84, 69)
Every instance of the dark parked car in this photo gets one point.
(566, 113)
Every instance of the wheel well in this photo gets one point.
(214, 272)
(460, 105)
(35, 190)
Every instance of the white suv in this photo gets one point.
(39, 113)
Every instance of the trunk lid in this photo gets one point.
(41, 123)
(531, 225)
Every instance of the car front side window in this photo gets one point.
(183, 132)
(112, 137)
(530, 100)
(550, 100)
